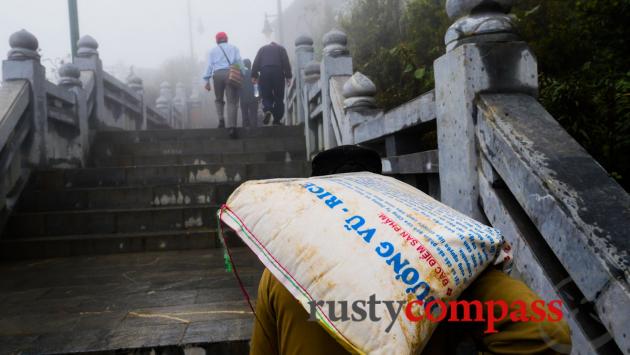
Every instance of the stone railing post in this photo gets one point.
(87, 59)
(483, 54)
(69, 79)
(359, 92)
(359, 105)
(23, 62)
(304, 54)
(195, 114)
(135, 83)
(312, 72)
(179, 102)
(164, 102)
(336, 61)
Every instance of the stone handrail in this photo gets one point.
(15, 126)
(413, 113)
(87, 79)
(292, 115)
(120, 93)
(60, 119)
(481, 143)
(580, 212)
(123, 104)
(61, 105)
(305, 96)
(15, 99)
(155, 120)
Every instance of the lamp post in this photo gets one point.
(73, 16)
(267, 30)
(190, 32)
(280, 26)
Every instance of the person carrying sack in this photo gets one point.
(224, 67)
(283, 326)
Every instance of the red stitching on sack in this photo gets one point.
(281, 266)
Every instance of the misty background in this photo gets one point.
(152, 36)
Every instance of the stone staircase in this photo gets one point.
(146, 191)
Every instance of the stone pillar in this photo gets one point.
(87, 59)
(135, 83)
(312, 72)
(304, 54)
(359, 105)
(359, 92)
(23, 62)
(69, 79)
(336, 61)
(195, 114)
(179, 102)
(164, 101)
(482, 55)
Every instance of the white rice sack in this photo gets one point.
(354, 236)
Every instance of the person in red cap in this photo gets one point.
(220, 59)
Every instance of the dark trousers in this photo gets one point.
(249, 111)
(221, 89)
(271, 85)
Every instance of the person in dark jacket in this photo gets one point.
(271, 70)
(249, 102)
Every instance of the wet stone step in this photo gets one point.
(102, 244)
(27, 225)
(188, 147)
(48, 247)
(197, 159)
(77, 245)
(147, 196)
(143, 303)
(176, 174)
(198, 134)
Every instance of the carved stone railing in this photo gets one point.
(50, 125)
(123, 104)
(535, 175)
(112, 104)
(15, 127)
(292, 107)
(481, 143)
(174, 106)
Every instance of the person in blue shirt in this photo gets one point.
(249, 102)
(220, 59)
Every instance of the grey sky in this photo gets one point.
(143, 33)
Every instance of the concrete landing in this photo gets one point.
(161, 301)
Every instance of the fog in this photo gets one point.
(152, 36)
(142, 33)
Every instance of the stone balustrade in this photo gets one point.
(499, 158)
(44, 124)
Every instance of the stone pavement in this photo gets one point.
(177, 299)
